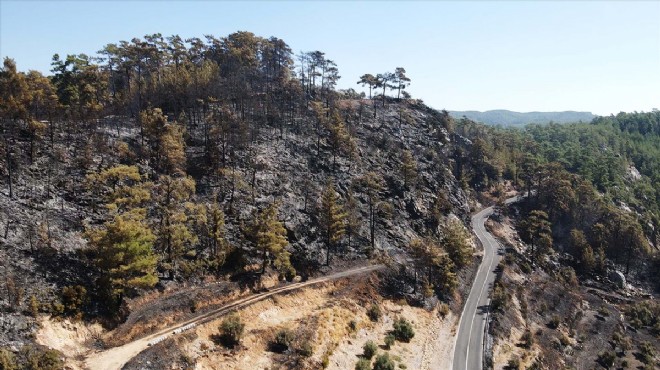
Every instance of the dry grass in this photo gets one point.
(321, 316)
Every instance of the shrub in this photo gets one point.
(352, 326)
(325, 360)
(369, 349)
(194, 306)
(7, 360)
(282, 341)
(37, 358)
(554, 322)
(403, 330)
(536, 365)
(500, 298)
(231, 330)
(34, 306)
(73, 299)
(525, 267)
(384, 362)
(514, 363)
(306, 349)
(622, 341)
(603, 311)
(606, 358)
(443, 310)
(363, 364)
(527, 339)
(569, 277)
(646, 313)
(374, 312)
(57, 308)
(389, 340)
(648, 353)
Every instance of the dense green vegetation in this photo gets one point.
(595, 186)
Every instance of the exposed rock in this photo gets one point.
(618, 278)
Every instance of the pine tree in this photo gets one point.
(152, 123)
(331, 219)
(269, 237)
(121, 187)
(384, 80)
(536, 231)
(456, 242)
(582, 250)
(372, 184)
(216, 234)
(401, 81)
(171, 148)
(173, 230)
(369, 80)
(14, 99)
(408, 169)
(123, 253)
(353, 220)
(340, 139)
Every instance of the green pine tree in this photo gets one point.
(331, 219)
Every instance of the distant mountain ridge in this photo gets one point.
(509, 118)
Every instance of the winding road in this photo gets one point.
(115, 358)
(468, 351)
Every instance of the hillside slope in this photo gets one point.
(47, 249)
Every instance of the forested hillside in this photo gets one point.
(162, 162)
(588, 258)
(167, 160)
(594, 186)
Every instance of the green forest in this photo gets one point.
(595, 185)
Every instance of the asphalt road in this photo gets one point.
(468, 351)
(115, 358)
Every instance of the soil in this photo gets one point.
(322, 316)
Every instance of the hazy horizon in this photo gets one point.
(598, 57)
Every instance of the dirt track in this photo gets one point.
(116, 358)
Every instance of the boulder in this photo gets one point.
(618, 278)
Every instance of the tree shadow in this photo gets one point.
(223, 340)
(247, 279)
(483, 309)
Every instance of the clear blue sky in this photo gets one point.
(602, 57)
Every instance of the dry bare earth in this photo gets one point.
(321, 316)
(116, 357)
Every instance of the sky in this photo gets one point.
(601, 57)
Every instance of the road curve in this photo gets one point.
(468, 350)
(115, 358)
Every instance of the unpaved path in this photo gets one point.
(116, 358)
